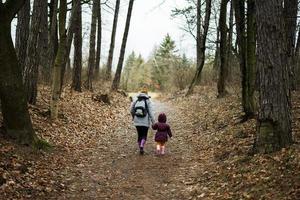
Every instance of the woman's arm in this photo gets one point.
(150, 111)
(132, 108)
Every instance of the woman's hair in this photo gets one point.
(144, 89)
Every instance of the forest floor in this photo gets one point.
(95, 156)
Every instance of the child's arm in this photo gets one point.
(155, 126)
(169, 131)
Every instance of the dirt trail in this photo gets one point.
(115, 170)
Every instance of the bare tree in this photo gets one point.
(56, 75)
(32, 61)
(201, 42)
(223, 49)
(116, 81)
(112, 42)
(43, 42)
(92, 54)
(76, 80)
(70, 33)
(99, 38)
(14, 109)
(53, 37)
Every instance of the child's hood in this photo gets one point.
(162, 118)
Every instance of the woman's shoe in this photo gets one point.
(141, 150)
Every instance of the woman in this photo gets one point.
(142, 114)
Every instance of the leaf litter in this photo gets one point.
(94, 154)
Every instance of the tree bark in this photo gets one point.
(59, 60)
(15, 113)
(202, 46)
(239, 7)
(112, 42)
(99, 38)
(229, 45)
(92, 56)
(32, 61)
(217, 52)
(43, 42)
(274, 119)
(198, 38)
(70, 33)
(53, 38)
(290, 15)
(250, 104)
(76, 79)
(223, 49)
(116, 81)
(22, 33)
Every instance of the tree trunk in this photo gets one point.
(229, 45)
(217, 52)
(274, 120)
(239, 7)
(59, 60)
(53, 38)
(15, 113)
(112, 42)
(198, 38)
(33, 53)
(297, 59)
(22, 33)
(202, 41)
(223, 49)
(70, 33)
(250, 104)
(76, 79)
(116, 81)
(92, 58)
(43, 41)
(290, 15)
(99, 38)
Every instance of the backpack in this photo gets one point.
(140, 107)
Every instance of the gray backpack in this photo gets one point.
(140, 107)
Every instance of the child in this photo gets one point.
(161, 136)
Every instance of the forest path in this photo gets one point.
(115, 170)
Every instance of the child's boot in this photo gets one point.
(142, 146)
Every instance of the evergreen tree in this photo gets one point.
(163, 61)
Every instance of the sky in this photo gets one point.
(151, 21)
